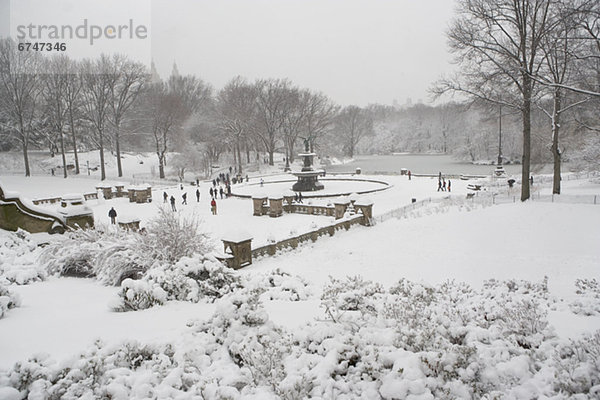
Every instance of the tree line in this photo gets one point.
(526, 55)
(66, 105)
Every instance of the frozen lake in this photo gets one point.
(418, 164)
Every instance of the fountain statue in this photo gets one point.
(308, 177)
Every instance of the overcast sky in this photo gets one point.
(355, 51)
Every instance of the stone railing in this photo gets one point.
(293, 242)
(52, 200)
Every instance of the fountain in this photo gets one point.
(308, 177)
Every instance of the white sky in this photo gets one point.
(355, 51)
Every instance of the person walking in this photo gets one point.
(211, 192)
(409, 175)
(214, 183)
(113, 215)
(449, 183)
(184, 197)
(221, 192)
(173, 204)
(213, 206)
(261, 182)
(444, 185)
(299, 197)
(165, 197)
(198, 195)
(439, 184)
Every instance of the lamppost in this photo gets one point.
(499, 169)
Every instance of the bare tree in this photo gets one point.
(558, 47)
(320, 113)
(130, 78)
(19, 77)
(167, 108)
(271, 100)
(235, 107)
(98, 78)
(353, 124)
(498, 47)
(55, 96)
(73, 103)
(293, 120)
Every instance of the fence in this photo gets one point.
(487, 199)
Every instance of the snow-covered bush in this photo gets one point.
(8, 300)
(130, 370)
(577, 367)
(350, 294)
(139, 295)
(419, 341)
(170, 237)
(113, 255)
(280, 285)
(194, 278)
(588, 297)
(18, 258)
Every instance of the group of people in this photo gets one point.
(298, 197)
(442, 185)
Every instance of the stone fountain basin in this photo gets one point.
(334, 186)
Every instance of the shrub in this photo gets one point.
(8, 300)
(139, 295)
(18, 259)
(588, 297)
(113, 255)
(194, 278)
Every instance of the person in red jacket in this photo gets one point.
(213, 206)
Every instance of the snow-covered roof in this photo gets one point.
(72, 197)
(237, 236)
(363, 202)
(139, 187)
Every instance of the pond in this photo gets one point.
(418, 164)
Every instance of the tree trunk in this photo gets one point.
(102, 169)
(271, 157)
(239, 157)
(555, 148)
(26, 159)
(74, 139)
(62, 153)
(161, 167)
(118, 146)
(526, 160)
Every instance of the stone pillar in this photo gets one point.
(366, 208)
(288, 199)
(238, 246)
(275, 207)
(340, 208)
(106, 191)
(259, 204)
(120, 190)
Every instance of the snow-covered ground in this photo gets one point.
(513, 241)
(236, 213)
(464, 242)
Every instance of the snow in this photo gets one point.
(61, 317)
(432, 243)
